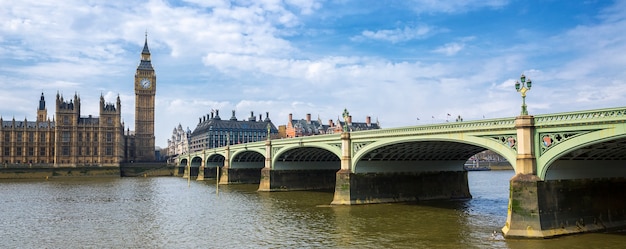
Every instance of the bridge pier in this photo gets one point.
(369, 188)
(186, 172)
(289, 180)
(543, 209)
(200, 173)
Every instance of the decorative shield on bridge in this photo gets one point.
(547, 141)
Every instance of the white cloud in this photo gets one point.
(435, 6)
(449, 49)
(398, 34)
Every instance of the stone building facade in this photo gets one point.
(309, 127)
(72, 140)
(212, 132)
(68, 140)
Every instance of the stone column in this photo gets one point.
(342, 186)
(226, 167)
(265, 184)
(525, 163)
(187, 173)
(523, 218)
(201, 172)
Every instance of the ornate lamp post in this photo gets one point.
(523, 88)
(346, 114)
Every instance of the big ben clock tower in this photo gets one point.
(145, 90)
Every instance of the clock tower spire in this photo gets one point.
(145, 91)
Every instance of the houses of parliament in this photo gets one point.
(73, 140)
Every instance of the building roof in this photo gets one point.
(216, 123)
(145, 64)
(27, 124)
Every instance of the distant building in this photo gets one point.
(304, 127)
(308, 127)
(70, 140)
(212, 131)
(179, 142)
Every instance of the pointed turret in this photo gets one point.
(42, 112)
(145, 63)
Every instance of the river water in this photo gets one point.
(169, 212)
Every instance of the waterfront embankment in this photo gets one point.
(124, 170)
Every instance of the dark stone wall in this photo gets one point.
(582, 204)
(285, 180)
(34, 173)
(543, 209)
(146, 169)
(366, 188)
(243, 175)
(210, 172)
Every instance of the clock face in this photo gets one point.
(145, 83)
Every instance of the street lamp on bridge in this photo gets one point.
(523, 88)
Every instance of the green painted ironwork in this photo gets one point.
(563, 133)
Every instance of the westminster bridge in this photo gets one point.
(570, 172)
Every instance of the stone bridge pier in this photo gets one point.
(571, 198)
(397, 186)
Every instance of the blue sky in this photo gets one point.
(403, 63)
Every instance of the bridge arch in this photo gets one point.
(307, 153)
(596, 154)
(247, 159)
(412, 149)
(316, 157)
(196, 161)
(215, 160)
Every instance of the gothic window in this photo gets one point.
(7, 151)
(66, 136)
(7, 137)
(109, 151)
(31, 151)
(65, 150)
(42, 151)
(109, 137)
(42, 137)
(19, 136)
(31, 137)
(18, 151)
(66, 120)
(109, 120)
(95, 137)
(80, 137)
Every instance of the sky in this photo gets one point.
(401, 62)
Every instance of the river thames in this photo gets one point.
(166, 212)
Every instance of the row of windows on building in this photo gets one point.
(65, 151)
(66, 137)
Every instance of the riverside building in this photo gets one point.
(212, 131)
(71, 140)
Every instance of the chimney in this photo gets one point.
(308, 118)
(330, 123)
(368, 120)
(290, 117)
